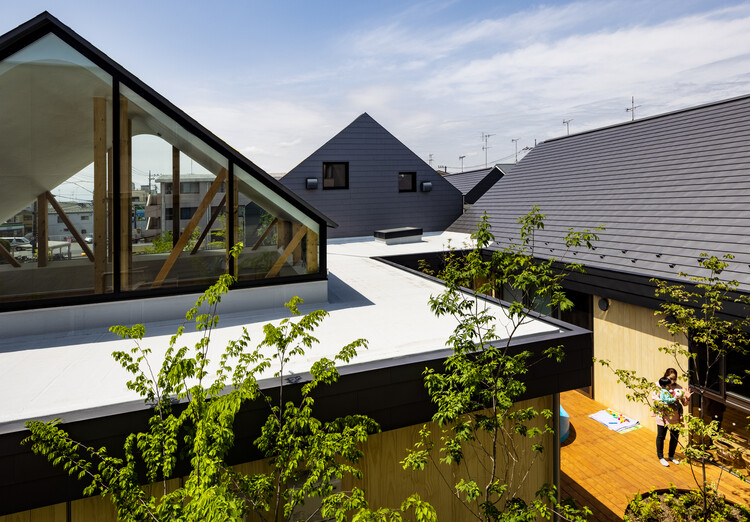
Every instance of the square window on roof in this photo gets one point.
(336, 175)
(407, 181)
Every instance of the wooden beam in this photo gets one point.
(68, 223)
(175, 196)
(9, 257)
(287, 252)
(185, 237)
(312, 252)
(126, 174)
(41, 230)
(214, 215)
(102, 195)
(264, 234)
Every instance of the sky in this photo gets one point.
(276, 80)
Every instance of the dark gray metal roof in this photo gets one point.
(474, 183)
(667, 188)
(372, 201)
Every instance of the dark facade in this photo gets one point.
(365, 180)
(474, 183)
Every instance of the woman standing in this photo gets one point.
(669, 400)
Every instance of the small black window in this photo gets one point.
(167, 188)
(335, 176)
(168, 213)
(407, 181)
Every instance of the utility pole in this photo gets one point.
(632, 107)
(485, 147)
(462, 162)
(567, 122)
(515, 141)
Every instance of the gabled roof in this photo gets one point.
(474, 183)
(45, 23)
(667, 188)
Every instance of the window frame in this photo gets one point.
(346, 175)
(413, 186)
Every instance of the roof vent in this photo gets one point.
(658, 255)
(601, 256)
(633, 260)
(671, 265)
(624, 251)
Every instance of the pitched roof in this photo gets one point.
(667, 188)
(45, 23)
(474, 183)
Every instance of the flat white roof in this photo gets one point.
(49, 375)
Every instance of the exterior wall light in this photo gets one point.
(426, 186)
(603, 304)
(311, 183)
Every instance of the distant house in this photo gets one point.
(668, 188)
(474, 183)
(365, 179)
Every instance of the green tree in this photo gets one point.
(477, 391)
(193, 414)
(696, 315)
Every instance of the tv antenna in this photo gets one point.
(461, 158)
(485, 147)
(632, 107)
(515, 141)
(430, 160)
(567, 123)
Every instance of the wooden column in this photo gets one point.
(312, 252)
(284, 233)
(175, 196)
(41, 230)
(101, 195)
(126, 175)
(297, 254)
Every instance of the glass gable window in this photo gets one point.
(182, 251)
(279, 240)
(335, 175)
(75, 145)
(55, 152)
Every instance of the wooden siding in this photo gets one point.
(629, 337)
(385, 482)
(372, 201)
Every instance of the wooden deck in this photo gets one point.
(603, 469)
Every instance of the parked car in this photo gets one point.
(18, 242)
(88, 239)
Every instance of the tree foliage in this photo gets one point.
(194, 408)
(477, 391)
(697, 312)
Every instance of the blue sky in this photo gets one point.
(277, 79)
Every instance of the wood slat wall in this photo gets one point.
(629, 337)
(385, 482)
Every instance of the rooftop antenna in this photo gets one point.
(567, 122)
(515, 141)
(632, 107)
(430, 160)
(485, 147)
(462, 162)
